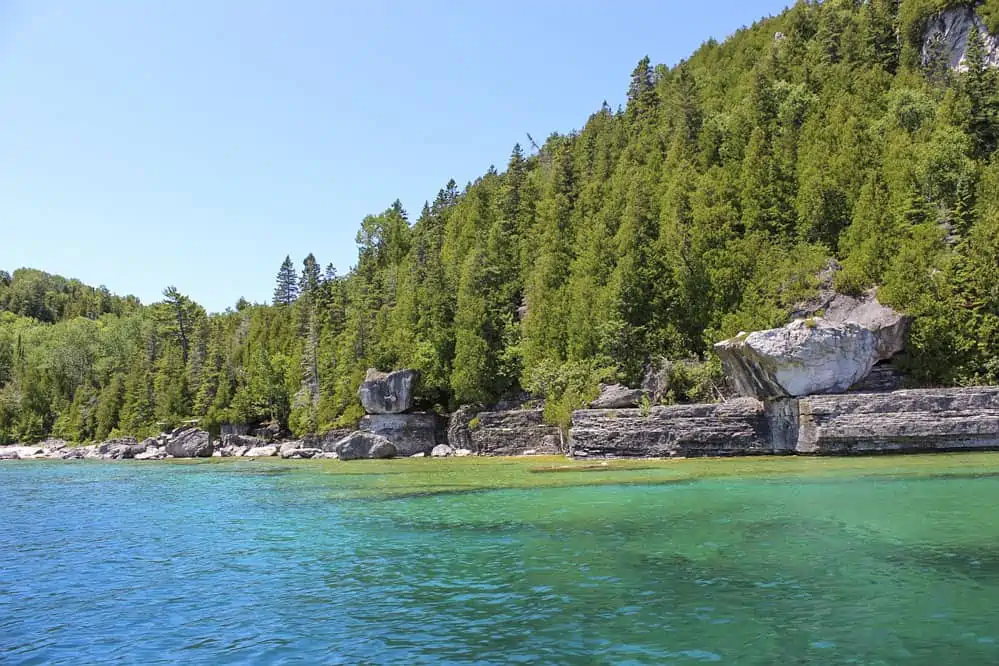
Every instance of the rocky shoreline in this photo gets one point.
(809, 388)
(907, 421)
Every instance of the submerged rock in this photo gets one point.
(388, 393)
(826, 354)
(365, 445)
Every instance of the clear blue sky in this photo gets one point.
(196, 143)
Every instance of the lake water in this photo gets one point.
(775, 561)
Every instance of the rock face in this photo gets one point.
(855, 423)
(364, 445)
(901, 421)
(124, 448)
(507, 433)
(948, 32)
(737, 427)
(819, 355)
(883, 378)
(616, 396)
(410, 433)
(388, 393)
(326, 441)
(190, 443)
(458, 432)
(799, 359)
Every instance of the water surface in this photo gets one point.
(832, 561)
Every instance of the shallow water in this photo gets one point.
(770, 561)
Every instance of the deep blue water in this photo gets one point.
(267, 563)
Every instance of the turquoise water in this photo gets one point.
(269, 563)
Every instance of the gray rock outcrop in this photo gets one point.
(388, 393)
(288, 448)
(20, 452)
(617, 396)
(948, 32)
(152, 454)
(737, 427)
(410, 433)
(301, 453)
(922, 420)
(442, 451)
(899, 422)
(190, 443)
(328, 440)
(123, 448)
(827, 354)
(508, 433)
(262, 451)
(364, 445)
(459, 433)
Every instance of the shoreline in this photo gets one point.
(841, 425)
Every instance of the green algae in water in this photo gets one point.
(890, 560)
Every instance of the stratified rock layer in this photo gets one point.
(737, 427)
(510, 433)
(857, 423)
(410, 433)
(901, 421)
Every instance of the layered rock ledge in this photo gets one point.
(913, 421)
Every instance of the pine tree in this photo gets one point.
(311, 278)
(286, 290)
(179, 318)
(880, 33)
(980, 87)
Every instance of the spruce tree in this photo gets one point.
(979, 85)
(311, 276)
(286, 289)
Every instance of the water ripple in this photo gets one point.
(213, 564)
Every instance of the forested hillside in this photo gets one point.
(709, 204)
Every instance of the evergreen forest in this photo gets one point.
(823, 141)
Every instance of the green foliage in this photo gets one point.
(567, 387)
(705, 207)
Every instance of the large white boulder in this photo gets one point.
(827, 354)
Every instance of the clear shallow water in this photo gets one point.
(877, 561)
